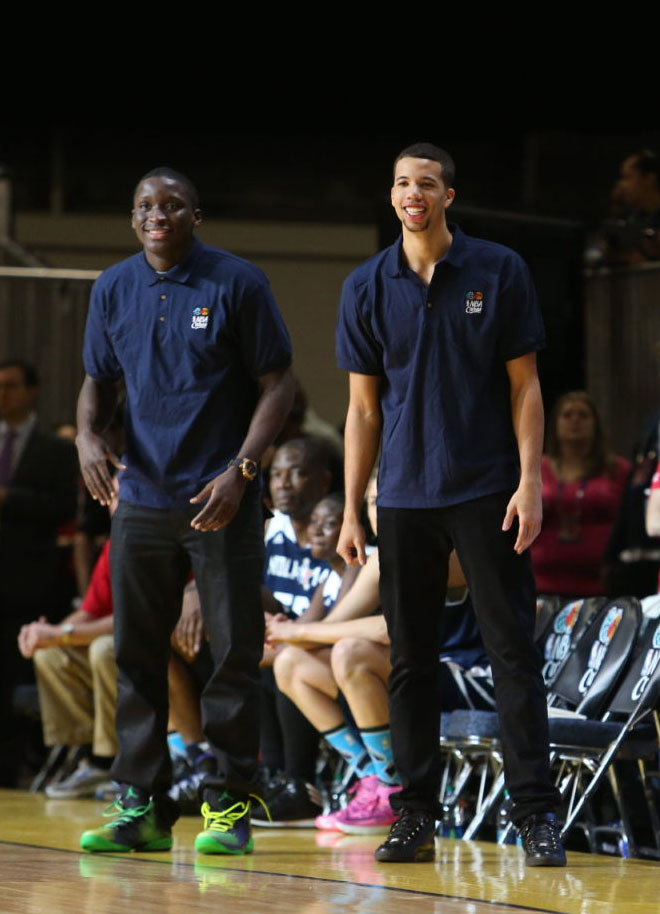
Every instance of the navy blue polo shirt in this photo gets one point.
(190, 344)
(440, 351)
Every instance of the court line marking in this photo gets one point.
(238, 869)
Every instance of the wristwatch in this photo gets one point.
(248, 468)
(66, 631)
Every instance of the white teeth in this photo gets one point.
(414, 210)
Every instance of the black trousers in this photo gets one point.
(151, 554)
(414, 547)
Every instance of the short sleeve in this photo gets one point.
(99, 356)
(98, 599)
(522, 329)
(264, 339)
(356, 347)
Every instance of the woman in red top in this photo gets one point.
(582, 487)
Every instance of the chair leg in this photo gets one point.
(493, 794)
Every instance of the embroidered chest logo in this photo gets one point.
(200, 319)
(474, 302)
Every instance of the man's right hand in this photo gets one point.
(351, 543)
(94, 455)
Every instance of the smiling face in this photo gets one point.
(164, 219)
(324, 527)
(419, 195)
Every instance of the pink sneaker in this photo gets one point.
(327, 823)
(369, 812)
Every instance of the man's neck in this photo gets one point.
(422, 250)
(300, 526)
(165, 263)
(18, 422)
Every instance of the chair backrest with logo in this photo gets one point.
(642, 680)
(591, 672)
(562, 635)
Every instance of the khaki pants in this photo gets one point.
(78, 695)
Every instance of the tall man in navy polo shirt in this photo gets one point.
(198, 339)
(439, 333)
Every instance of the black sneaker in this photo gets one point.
(410, 839)
(541, 840)
(295, 805)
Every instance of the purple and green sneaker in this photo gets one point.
(138, 823)
(227, 827)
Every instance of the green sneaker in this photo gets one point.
(137, 825)
(227, 827)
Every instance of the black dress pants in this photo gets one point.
(414, 547)
(151, 554)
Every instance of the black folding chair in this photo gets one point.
(582, 685)
(588, 749)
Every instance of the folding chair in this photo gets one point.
(583, 683)
(588, 749)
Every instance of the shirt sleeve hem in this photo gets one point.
(524, 349)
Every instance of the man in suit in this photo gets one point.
(38, 491)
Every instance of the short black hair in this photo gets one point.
(164, 171)
(436, 154)
(29, 372)
(321, 454)
(648, 162)
(335, 498)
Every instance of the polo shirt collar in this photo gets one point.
(395, 265)
(180, 272)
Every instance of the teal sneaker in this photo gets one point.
(138, 824)
(227, 828)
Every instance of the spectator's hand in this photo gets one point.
(222, 496)
(285, 630)
(527, 505)
(270, 653)
(351, 543)
(36, 635)
(274, 617)
(94, 455)
(189, 631)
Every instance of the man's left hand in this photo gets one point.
(222, 496)
(526, 505)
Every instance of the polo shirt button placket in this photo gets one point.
(163, 298)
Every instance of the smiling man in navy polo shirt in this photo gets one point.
(198, 339)
(439, 333)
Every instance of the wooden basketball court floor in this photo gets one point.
(303, 871)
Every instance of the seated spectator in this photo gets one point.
(632, 556)
(631, 234)
(653, 509)
(38, 490)
(300, 477)
(77, 680)
(582, 486)
(347, 654)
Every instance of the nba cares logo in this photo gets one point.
(474, 302)
(200, 319)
